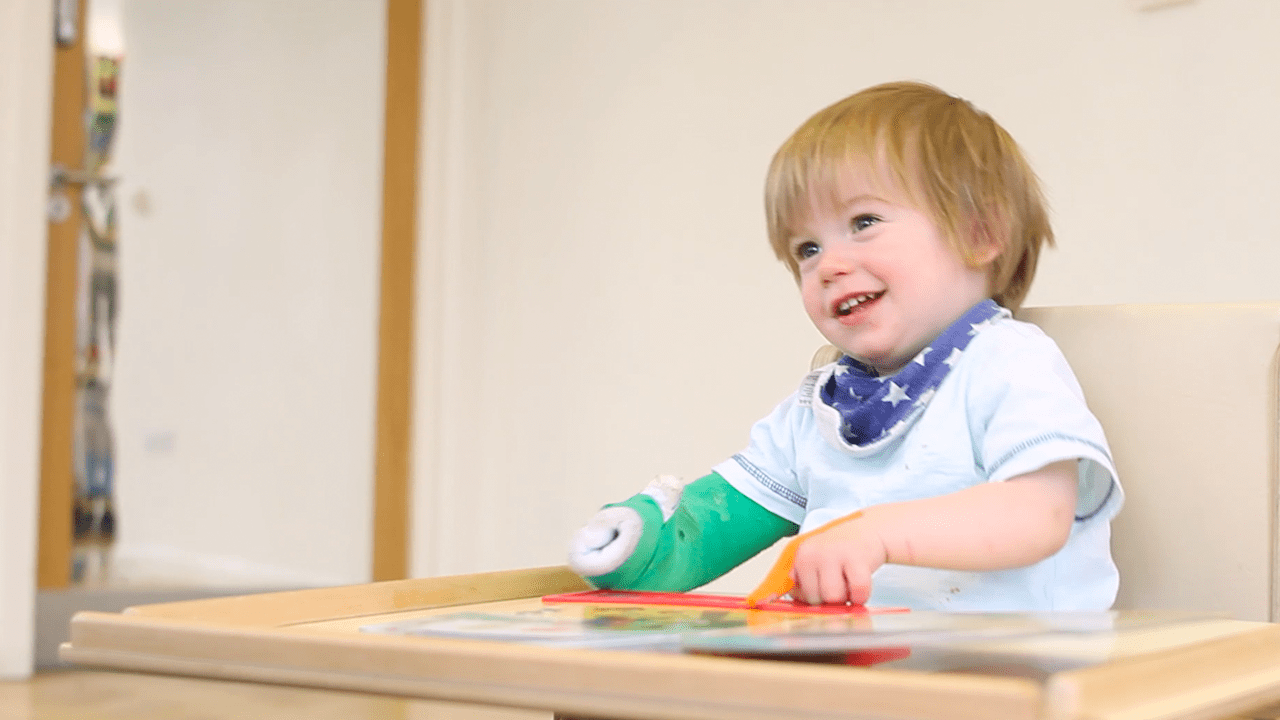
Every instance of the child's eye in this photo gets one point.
(805, 250)
(862, 222)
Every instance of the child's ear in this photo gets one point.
(987, 242)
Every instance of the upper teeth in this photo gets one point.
(847, 306)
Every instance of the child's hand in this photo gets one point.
(781, 578)
(836, 564)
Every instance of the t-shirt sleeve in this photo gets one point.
(765, 470)
(1027, 410)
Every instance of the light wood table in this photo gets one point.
(1213, 668)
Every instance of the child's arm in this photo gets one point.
(673, 537)
(992, 526)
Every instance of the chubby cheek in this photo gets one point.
(814, 303)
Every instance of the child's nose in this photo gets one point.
(834, 262)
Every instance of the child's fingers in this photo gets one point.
(780, 579)
(811, 583)
(857, 585)
(833, 586)
(821, 581)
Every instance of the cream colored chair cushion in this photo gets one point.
(1188, 397)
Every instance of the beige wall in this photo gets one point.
(603, 305)
(25, 87)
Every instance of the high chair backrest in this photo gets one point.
(1187, 395)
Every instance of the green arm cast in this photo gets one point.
(713, 530)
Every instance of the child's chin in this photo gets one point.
(883, 365)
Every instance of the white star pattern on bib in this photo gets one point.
(897, 394)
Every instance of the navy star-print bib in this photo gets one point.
(874, 408)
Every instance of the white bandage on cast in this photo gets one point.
(605, 542)
(666, 490)
(609, 538)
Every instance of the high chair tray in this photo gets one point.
(1132, 666)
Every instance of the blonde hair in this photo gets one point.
(954, 160)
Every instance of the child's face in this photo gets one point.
(877, 276)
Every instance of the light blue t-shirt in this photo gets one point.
(1009, 406)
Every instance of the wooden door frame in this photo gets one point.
(57, 418)
(394, 414)
(393, 446)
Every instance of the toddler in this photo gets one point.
(946, 458)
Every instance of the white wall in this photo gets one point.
(250, 151)
(602, 304)
(26, 31)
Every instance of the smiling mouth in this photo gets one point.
(850, 303)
